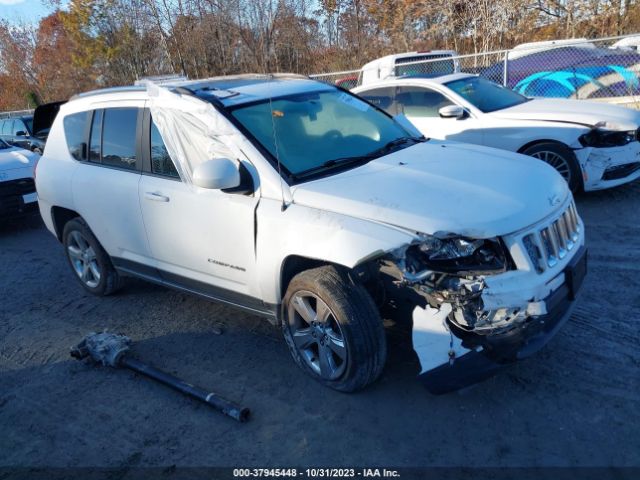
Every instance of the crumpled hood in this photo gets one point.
(573, 111)
(11, 158)
(443, 187)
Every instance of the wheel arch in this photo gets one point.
(60, 217)
(292, 265)
(295, 264)
(533, 143)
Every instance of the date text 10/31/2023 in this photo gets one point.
(316, 472)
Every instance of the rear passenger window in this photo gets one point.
(96, 133)
(119, 137)
(74, 126)
(161, 163)
(420, 102)
(381, 98)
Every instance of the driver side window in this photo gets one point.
(18, 126)
(419, 102)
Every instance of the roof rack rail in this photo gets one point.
(101, 91)
(16, 113)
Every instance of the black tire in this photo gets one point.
(96, 257)
(353, 321)
(562, 159)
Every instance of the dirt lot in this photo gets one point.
(576, 403)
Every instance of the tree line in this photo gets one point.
(96, 43)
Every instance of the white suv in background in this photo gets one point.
(300, 202)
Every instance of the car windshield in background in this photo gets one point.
(485, 95)
(319, 131)
(429, 67)
(29, 123)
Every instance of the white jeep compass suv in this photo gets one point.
(297, 201)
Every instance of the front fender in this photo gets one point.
(315, 234)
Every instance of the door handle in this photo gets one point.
(156, 197)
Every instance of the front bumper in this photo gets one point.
(17, 197)
(492, 353)
(609, 167)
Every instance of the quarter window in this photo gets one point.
(74, 126)
(119, 137)
(420, 102)
(161, 163)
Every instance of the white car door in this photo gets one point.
(421, 106)
(105, 183)
(202, 239)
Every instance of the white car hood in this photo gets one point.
(573, 111)
(12, 158)
(443, 187)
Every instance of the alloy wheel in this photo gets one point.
(556, 161)
(317, 335)
(83, 259)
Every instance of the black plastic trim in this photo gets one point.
(201, 289)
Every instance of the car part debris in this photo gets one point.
(110, 349)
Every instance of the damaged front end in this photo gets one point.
(466, 325)
(610, 155)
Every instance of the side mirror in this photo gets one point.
(21, 133)
(452, 111)
(217, 174)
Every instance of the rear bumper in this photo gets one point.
(501, 350)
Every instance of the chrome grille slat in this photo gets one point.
(561, 237)
(554, 240)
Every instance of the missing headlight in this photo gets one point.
(459, 255)
(600, 138)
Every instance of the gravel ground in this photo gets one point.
(576, 403)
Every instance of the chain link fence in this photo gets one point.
(606, 69)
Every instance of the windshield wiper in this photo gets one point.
(358, 159)
(393, 144)
(331, 164)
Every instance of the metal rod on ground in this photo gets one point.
(110, 349)
(225, 406)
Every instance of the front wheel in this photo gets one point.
(562, 159)
(333, 329)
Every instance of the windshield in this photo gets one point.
(28, 121)
(3, 145)
(486, 95)
(316, 131)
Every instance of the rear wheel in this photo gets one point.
(333, 329)
(562, 159)
(88, 260)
